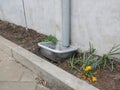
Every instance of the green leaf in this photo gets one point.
(50, 38)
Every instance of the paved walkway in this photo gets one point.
(14, 76)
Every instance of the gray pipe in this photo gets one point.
(66, 21)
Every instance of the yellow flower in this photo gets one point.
(88, 68)
(94, 79)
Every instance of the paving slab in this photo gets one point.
(28, 76)
(4, 56)
(39, 87)
(14, 76)
(9, 69)
(17, 86)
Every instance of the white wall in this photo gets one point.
(12, 11)
(44, 16)
(95, 21)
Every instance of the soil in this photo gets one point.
(28, 39)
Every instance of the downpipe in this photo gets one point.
(66, 23)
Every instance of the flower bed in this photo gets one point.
(104, 80)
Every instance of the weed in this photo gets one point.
(92, 49)
(73, 63)
(107, 59)
(50, 38)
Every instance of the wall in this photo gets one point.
(95, 21)
(12, 12)
(44, 16)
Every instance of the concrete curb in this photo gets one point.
(57, 78)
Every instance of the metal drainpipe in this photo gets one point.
(66, 21)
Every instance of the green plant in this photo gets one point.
(88, 59)
(91, 48)
(73, 63)
(88, 64)
(107, 59)
(85, 64)
(50, 38)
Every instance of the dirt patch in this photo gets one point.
(28, 39)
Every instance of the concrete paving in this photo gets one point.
(14, 76)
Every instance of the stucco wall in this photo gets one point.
(12, 11)
(95, 21)
(44, 15)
